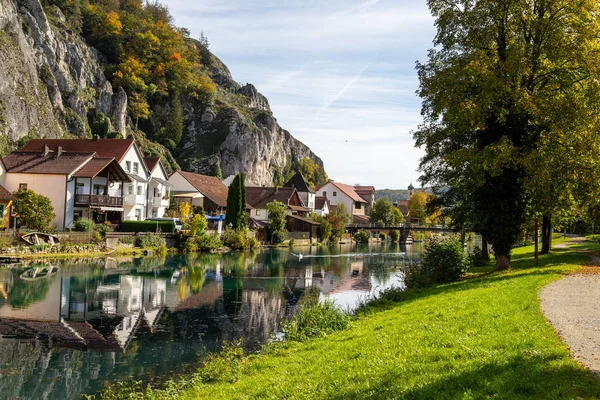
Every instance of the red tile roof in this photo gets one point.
(320, 202)
(360, 219)
(113, 148)
(348, 190)
(37, 163)
(97, 165)
(259, 197)
(151, 162)
(5, 194)
(210, 186)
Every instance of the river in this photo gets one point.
(79, 324)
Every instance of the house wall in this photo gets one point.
(135, 202)
(70, 203)
(160, 173)
(180, 184)
(341, 197)
(51, 186)
(324, 211)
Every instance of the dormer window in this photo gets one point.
(136, 168)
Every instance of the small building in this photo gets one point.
(159, 189)
(339, 193)
(307, 195)
(199, 190)
(259, 197)
(367, 193)
(296, 223)
(321, 206)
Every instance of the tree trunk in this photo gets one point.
(485, 255)
(546, 234)
(502, 262)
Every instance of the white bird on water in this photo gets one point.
(298, 255)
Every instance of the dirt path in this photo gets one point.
(572, 305)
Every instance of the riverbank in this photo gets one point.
(484, 336)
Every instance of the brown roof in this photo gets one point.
(364, 189)
(113, 148)
(360, 219)
(151, 162)
(298, 208)
(97, 165)
(320, 202)
(402, 205)
(5, 194)
(259, 197)
(37, 163)
(210, 186)
(348, 190)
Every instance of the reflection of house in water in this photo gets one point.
(336, 285)
(99, 314)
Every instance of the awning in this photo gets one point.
(193, 195)
(137, 178)
(162, 182)
(111, 208)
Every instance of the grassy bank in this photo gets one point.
(482, 337)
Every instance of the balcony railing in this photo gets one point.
(98, 200)
(160, 202)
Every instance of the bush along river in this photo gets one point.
(69, 327)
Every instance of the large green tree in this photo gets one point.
(510, 105)
(235, 215)
(34, 210)
(385, 212)
(277, 218)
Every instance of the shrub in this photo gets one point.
(361, 236)
(209, 242)
(394, 236)
(104, 228)
(277, 237)
(148, 226)
(234, 239)
(442, 262)
(291, 243)
(126, 239)
(149, 240)
(84, 225)
(162, 250)
(382, 236)
(315, 318)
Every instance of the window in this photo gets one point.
(258, 213)
(357, 205)
(80, 188)
(334, 194)
(136, 167)
(77, 215)
(138, 214)
(128, 166)
(139, 190)
(2, 210)
(99, 190)
(130, 189)
(324, 194)
(154, 214)
(22, 186)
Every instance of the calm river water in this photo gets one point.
(66, 330)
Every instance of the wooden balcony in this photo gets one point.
(98, 200)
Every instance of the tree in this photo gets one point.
(277, 217)
(184, 211)
(385, 212)
(338, 218)
(417, 205)
(235, 215)
(198, 225)
(510, 99)
(174, 126)
(34, 210)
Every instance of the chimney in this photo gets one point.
(45, 150)
(59, 151)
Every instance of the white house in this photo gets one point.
(77, 183)
(137, 203)
(339, 193)
(321, 206)
(159, 189)
(304, 191)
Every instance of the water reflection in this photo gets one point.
(65, 332)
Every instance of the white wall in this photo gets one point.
(134, 156)
(70, 202)
(51, 186)
(180, 184)
(160, 173)
(340, 198)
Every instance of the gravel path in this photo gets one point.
(572, 305)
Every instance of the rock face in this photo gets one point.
(51, 81)
(52, 78)
(238, 134)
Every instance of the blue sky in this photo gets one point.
(339, 75)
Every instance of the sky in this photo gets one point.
(339, 74)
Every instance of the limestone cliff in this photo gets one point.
(52, 84)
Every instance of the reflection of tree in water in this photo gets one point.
(24, 293)
(196, 276)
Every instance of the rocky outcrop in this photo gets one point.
(53, 79)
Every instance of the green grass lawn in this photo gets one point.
(482, 337)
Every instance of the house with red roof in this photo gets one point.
(159, 188)
(199, 190)
(78, 183)
(340, 193)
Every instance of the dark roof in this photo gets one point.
(320, 202)
(5, 194)
(210, 186)
(366, 192)
(113, 148)
(360, 219)
(411, 187)
(98, 165)
(37, 163)
(259, 197)
(348, 190)
(151, 162)
(307, 220)
(299, 183)
(402, 205)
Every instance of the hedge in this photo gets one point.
(148, 226)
